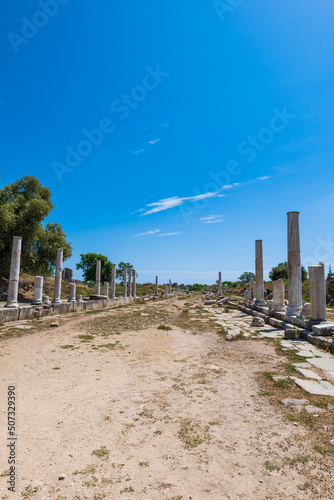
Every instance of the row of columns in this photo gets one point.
(317, 280)
(127, 289)
(13, 287)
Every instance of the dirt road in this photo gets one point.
(111, 406)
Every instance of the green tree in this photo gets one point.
(88, 265)
(281, 271)
(246, 277)
(120, 270)
(24, 204)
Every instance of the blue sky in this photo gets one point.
(173, 134)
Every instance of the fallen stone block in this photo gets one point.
(209, 302)
(323, 329)
(222, 302)
(232, 334)
(258, 322)
(292, 333)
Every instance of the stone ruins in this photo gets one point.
(297, 317)
(41, 305)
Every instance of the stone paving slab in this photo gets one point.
(320, 388)
(305, 354)
(308, 373)
(323, 363)
(277, 334)
(305, 364)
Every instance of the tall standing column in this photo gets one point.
(14, 277)
(294, 266)
(129, 278)
(113, 282)
(170, 287)
(251, 295)
(259, 286)
(73, 288)
(278, 296)
(219, 287)
(38, 292)
(156, 285)
(58, 277)
(106, 289)
(318, 292)
(134, 284)
(124, 281)
(98, 278)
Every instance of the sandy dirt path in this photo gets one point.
(122, 409)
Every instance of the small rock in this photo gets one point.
(54, 324)
(258, 322)
(331, 442)
(260, 481)
(61, 477)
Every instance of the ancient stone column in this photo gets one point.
(170, 287)
(278, 296)
(79, 298)
(294, 266)
(124, 281)
(105, 289)
(134, 284)
(166, 289)
(14, 277)
(58, 276)
(98, 278)
(318, 292)
(38, 292)
(219, 287)
(251, 295)
(113, 282)
(156, 285)
(129, 287)
(73, 288)
(259, 286)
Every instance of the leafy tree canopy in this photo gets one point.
(120, 270)
(88, 265)
(281, 271)
(24, 204)
(246, 277)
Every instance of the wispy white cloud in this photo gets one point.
(170, 234)
(138, 151)
(153, 231)
(154, 141)
(175, 201)
(164, 124)
(211, 219)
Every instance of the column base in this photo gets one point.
(279, 309)
(294, 311)
(261, 303)
(12, 305)
(37, 303)
(56, 301)
(72, 300)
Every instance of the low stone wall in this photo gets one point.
(294, 328)
(32, 312)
